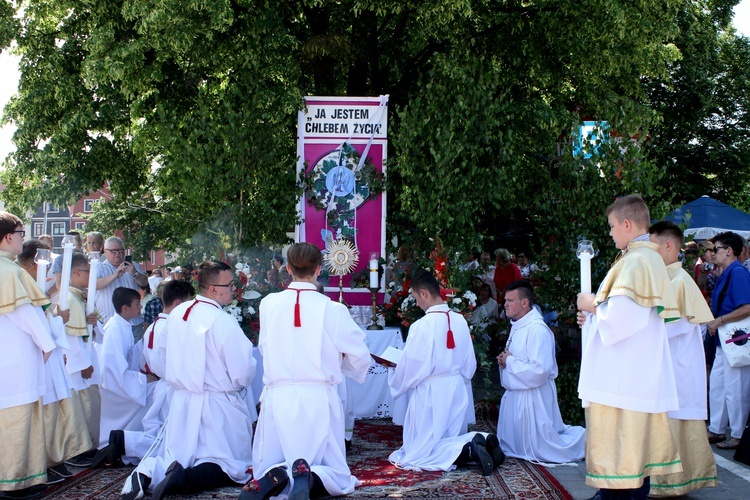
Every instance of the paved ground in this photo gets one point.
(734, 480)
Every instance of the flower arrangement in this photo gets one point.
(251, 286)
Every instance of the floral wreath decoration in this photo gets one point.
(335, 185)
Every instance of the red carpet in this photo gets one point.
(373, 442)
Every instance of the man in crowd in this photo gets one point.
(309, 343)
(116, 272)
(729, 388)
(506, 272)
(437, 361)
(57, 265)
(209, 366)
(530, 425)
(628, 438)
(686, 346)
(27, 344)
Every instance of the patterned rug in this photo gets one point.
(373, 441)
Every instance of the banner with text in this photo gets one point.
(342, 149)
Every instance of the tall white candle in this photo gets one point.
(91, 291)
(374, 273)
(585, 273)
(68, 247)
(41, 274)
(585, 253)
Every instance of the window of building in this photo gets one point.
(38, 229)
(52, 209)
(79, 225)
(58, 229)
(88, 205)
(153, 258)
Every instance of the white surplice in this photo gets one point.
(435, 379)
(209, 368)
(530, 425)
(627, 343)
(124, 389)
(57, 380)
(301, 413)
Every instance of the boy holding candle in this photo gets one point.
(627, 383)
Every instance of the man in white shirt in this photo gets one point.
(530, 425)
(115, 272)
(437, 361)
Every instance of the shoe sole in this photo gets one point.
(483, 458)
(162, 488)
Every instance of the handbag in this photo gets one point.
(734, 337)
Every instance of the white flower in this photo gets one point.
(238, 266)
(250, 310)
(471, 297)
(234, 311)
(246, 269)
(456, 300)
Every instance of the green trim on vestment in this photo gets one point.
(634, 476)
(8, 481)
(700, 479)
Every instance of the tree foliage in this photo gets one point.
(188, 109)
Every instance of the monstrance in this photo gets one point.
(341, 258)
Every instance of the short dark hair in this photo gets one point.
(29, 250)
(424, 280)
(484, 286)
(730, 239)
(176, 290)
(209, 271)
(8, 223)
(525, 290)
(631, 207)
(123, 296)
(80, 261)
(668, 229)
(304, 259)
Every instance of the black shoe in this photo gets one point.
(83, 460)
(348, 445)
(302, 480)
(173, 479)
(271, 484)
(53, 477)
(478, 453)
(110, 455)
(62, 470)
(493, 448)
(32, 492)
(137, 484)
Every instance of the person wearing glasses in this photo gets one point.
(114, 272)
(209, 366)
(27, 344)
(729, 388)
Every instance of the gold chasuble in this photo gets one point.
(690, 301)
(18, 287)
(632, 277)
(76, 325)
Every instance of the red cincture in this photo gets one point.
(151, 336)
(297, 317)
(449, 343)
(187, 312)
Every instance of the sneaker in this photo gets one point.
(62, 470)
(53, 477)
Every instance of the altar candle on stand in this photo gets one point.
(42, 261)
(94, 259)
(68, 243)
(585, 253)
(374, 279)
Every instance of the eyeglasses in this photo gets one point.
(230, 285)
(21, 232)
(115, 250)
(719, 247)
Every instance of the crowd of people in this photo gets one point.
(160, 377)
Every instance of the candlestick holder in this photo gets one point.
(374, 319)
